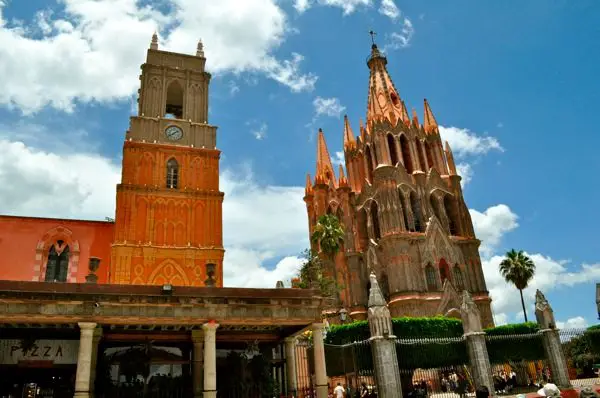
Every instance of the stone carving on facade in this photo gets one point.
(450, 304)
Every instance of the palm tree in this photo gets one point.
(518, 269)
(328, 234)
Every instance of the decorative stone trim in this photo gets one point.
(43, 247)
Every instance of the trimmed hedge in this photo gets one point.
(442, 350)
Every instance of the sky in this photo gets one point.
(513, 84)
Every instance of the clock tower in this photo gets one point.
(169, 208)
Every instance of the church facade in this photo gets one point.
(402, 209)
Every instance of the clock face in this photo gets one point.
(174, 133)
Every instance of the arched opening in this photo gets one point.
(404, 211)
(375, 221)
(431, 278)
(434, 206)
(420, 156)
(174, 105)
(329, 209)
(57, 266)
(172, 173)
(459, 281)
(369, 160)
(384, 284)
(210, 275)
(395, 99)
(444, 270)
(363, 234)
(450, 208)
(429, 154)
(415, 205)
(392, 147)
(405, 148)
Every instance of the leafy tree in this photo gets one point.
(518, 269)
(328, 233)
(312, 275)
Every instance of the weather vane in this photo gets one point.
(372, 36)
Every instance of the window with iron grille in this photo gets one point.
(172, 174)
(458, 278)
(58, 263)
(431, 278)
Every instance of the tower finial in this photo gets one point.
(154, 43)
(373, 34)
(200, 49)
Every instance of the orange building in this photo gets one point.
(168, 224)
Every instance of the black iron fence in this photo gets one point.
(441, 365)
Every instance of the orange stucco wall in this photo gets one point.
(25, 242)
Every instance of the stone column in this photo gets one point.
(290, 365)
(84, 359)
(475, 340)
(319, 354)
(95, 342)
(210, 359)
(198, 362)
(551, 339)
(383, 344)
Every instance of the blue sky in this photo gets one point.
(513, 83)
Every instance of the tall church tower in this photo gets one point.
(402, 208)
(169, 207)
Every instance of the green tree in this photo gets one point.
(312, 275)
(328, 233)
(518, 269)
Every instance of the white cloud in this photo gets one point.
(302, 5)
(339, 158)
(79, 54)
(328, 107)
(389, 9)
(399, 40)
(491, 225)
(550, 275)
(348, 6)
(233, 88)
(465, 142)
(260, 132)
(577, 322)
(466, 172)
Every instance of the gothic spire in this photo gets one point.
(429, 122)
(308, 189)
(383, 101)
(324, 173)
(154, 42)
(415, 118)
(342, 180)
(450, 159)
(349, 140)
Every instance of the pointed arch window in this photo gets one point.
(172, 173)
(375, 221)
(450, 208)
(444, 270)
(404, 211)
(429, 154)
(459, 280)
(57, 265)
(421, 157)
(392, 148)
(415, 205)
(431, 278)
(369, 160)
(405, 148)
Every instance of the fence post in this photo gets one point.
(552, 346)
(475, 339)
(383, 344)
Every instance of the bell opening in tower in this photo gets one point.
(174, 106)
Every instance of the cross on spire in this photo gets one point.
(372, 33)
